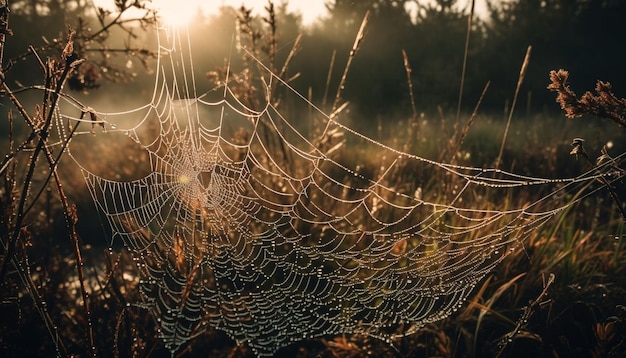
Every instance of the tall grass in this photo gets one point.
(559, 296)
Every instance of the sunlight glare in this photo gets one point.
(177, 13)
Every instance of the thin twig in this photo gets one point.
(69, 212)
(9, 250)
(53, 167)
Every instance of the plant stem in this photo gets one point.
(520, 80)
(465, 55)
(355, 47)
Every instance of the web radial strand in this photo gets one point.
(246, 221)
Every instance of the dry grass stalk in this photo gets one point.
(355, 47)
(409, 71)
(465, 130)
(520, 80)
(328, 78)
(412, 139)
(294, 50)
(465, 55)
(272, 45)
(528, 311)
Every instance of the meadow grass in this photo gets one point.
(582, 248)
(562, 295)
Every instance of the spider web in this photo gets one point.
(248, 223)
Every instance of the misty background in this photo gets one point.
(584, 37)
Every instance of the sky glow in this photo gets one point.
(180, 12)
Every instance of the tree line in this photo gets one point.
(584, 36)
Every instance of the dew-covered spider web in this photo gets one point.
(248, 221)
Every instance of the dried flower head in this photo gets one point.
(604, 105)
(69, 46)
(578, 148)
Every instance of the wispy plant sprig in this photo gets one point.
(604, 105)
(92, 43)
(579, 150)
